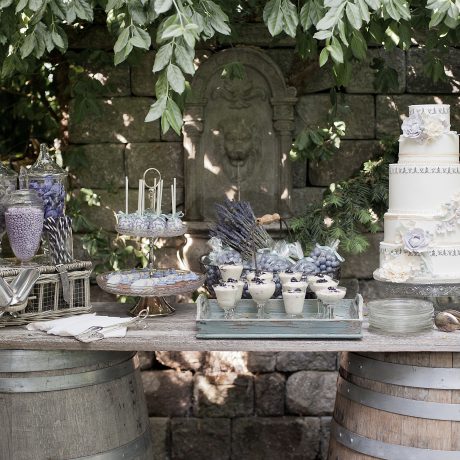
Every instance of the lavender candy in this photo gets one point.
(52, 192)
(24, 226)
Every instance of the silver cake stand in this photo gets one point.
(151, 298)
(432, 289)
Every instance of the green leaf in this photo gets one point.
(140, 38)
(162, 57)
(323, 34)
(220, 26)
(28, 45)
(436, 19)
(290, 18)
(57, 39)
(156, 109)
(184, 58)
(122, 40)
(364, 10)
(83, 9)
(335, 49)
(273, 17)
(354, 16)
(35, 5)
(137, 13)
(174, 116)
(174, 30)
(175, 78)
(5, 3)
(358, 45)
(164, 123)
(21, 5)
(323, 56)
(374, 4)
(161, 85)
(161, 6)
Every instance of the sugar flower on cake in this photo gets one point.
(424, 127)
(416, 240)
(400, 269)
(412, 126)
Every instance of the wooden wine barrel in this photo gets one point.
(397, 406)
(72, 405)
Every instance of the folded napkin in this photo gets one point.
(75, 325)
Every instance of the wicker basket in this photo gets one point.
(46, 300)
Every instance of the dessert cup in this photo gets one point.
(226, 295)
(329, 297)
(267, 276)
(230, 271)
(288, 275)
(322, 284)
(312, 278)
(290, 285)
(239, 290)
(293, 302)
(261, 291)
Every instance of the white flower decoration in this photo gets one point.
(416, 240)
(413, 126)
(400, 269)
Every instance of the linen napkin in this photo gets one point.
(74, 325)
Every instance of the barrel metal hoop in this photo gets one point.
(68, 381)
(137, 448)
(440, 378)
(396, 404)
(47, 360)
(386, 451)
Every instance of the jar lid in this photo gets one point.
(7, 172)
(25, 197)
(45, 166)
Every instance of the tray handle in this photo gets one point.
(359, 302)
(202, 303)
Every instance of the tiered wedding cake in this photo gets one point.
(422, 225)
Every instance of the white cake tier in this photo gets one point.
(443, 232)
(422, 189)
(440, 262)
(438, 110)
(443, 149)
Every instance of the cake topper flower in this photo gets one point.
(416, 240)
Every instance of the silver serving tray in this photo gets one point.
(346, 324)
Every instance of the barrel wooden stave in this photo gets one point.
(389, 427)
(87, 420)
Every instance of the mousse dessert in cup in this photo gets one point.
(261, 290)
(294, 283)
(288, 274)
(266, 276)
(230, 271)
(239, 290)
(323, 283)
(293, 302)
(313, 278)
(331, 296)
(226, 295)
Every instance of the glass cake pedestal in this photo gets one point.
(151, 298)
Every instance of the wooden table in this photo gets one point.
(410, 384)
(177, 333)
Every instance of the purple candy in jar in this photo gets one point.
(24, 223)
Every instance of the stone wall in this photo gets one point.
(233, 405)
(236, 405)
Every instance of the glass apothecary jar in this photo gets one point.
(24, 223)
(8, 183)
(49, 181)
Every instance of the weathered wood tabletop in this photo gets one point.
(177, 333)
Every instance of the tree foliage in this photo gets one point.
(342, 30)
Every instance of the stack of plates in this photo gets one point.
(400, 316)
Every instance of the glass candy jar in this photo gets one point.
(48, 180)
(8, 183)
(24, 223)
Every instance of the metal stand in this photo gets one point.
(156, 306)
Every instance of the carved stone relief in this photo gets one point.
(237, 136)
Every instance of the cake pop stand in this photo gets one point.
(152, 297)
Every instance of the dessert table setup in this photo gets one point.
(398, 387)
